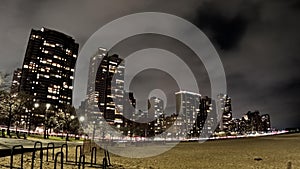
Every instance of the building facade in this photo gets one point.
(187, 109)
(92, 110)
(16, 80)
(206, 120)
(224, 104)
(48, 67)
(110, 86)
(156, 116)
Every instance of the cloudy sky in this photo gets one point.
(258, 42)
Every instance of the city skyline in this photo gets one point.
(260, 75)
(195, 115)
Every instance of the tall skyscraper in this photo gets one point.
(129, 106)
(110, 86)
(224, 103)
(188, 108)
(156, 115)
(92, 109)
(205, 116)
(129, 114)
(93, 68)
(48, 67)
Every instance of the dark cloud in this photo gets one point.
(295, 4)
(226, 24)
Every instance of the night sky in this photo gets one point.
(258, 42)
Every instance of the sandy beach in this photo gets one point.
(281, 151)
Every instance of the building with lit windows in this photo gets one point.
(48, 67)
(265, 122)
(187, 108)
(156, 115)
(224, 104)
(254, 122)
(15, 85)
(110, 86)
(206, 119)
(92, 109)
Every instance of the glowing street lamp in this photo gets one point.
(48, 105)
(81, 118)
(36, 105)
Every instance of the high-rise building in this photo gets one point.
(255, 122)
(156, 115)
(187, 109)
(48, 67)
(129, 106)
(93, 68)
(15, 85)
(224, 104)
(110, 86)
(205, 119)
(92, 109)
(265, 122)
(129, 114)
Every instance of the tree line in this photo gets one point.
(19, 110)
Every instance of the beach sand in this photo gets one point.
(281, 151)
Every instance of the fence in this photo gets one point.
(58, 158)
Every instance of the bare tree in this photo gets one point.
(13, 107)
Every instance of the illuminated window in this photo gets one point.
(59, 45)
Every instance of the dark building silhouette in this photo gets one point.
(48, 67)
(265, 122)
(224, 104)
(110, 86)
(92, 110)
(202, 118)
(254, 122)
(129, 105)
(16, 80)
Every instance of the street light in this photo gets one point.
(48, 106)
(94, 123)
(36, 105)
(46, 121)
(81, 118)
